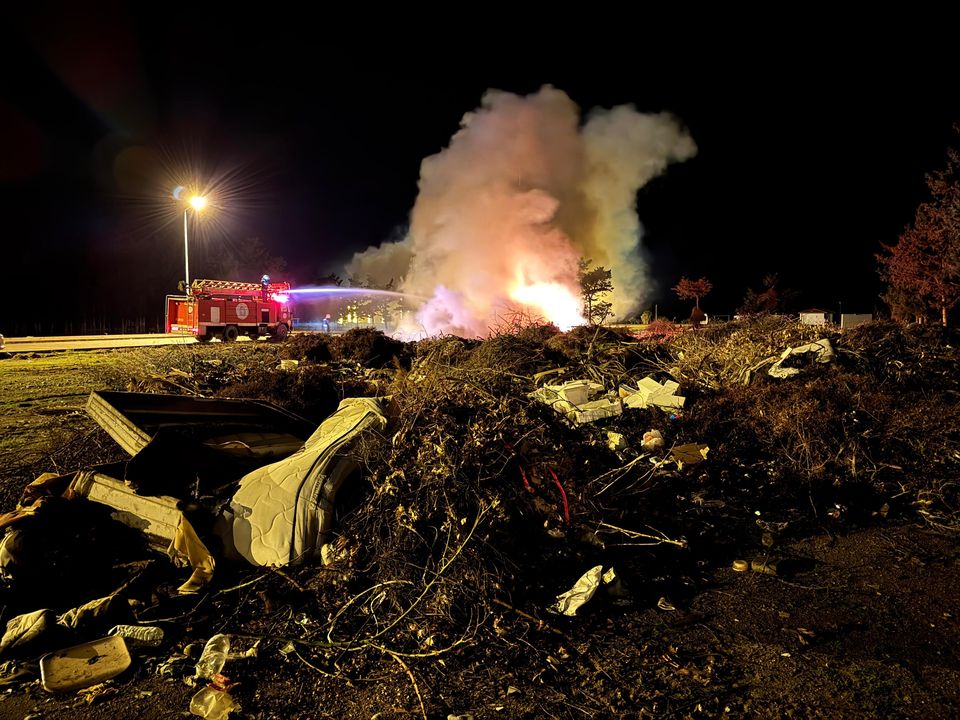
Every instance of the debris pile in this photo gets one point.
(371, 502)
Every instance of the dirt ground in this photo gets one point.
(849, 610)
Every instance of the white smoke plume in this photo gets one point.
(507, 210)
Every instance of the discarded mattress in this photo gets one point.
(282, 512)
(184, 445)
(157, 517)
(134, 419)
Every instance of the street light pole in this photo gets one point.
(186, 254)
(198, 203)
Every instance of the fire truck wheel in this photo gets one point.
(230, 333)
(204, 338)
(281, 332)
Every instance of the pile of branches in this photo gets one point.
(478, 498)
(475, 485)
(727, 354)
(475, 481)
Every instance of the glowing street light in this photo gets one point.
(198, 203)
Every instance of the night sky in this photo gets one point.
(812, 149)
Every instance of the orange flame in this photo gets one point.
(552, 300)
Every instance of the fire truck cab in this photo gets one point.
(225, 309)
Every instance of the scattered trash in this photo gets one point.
(336, 552)
(186, 549)
(820, 351)
(652, 440)
(84, 665)
(583, 590)
(649, 393)
(573, 599)
(765, 566)
(178, 663)
(158, 517)
(448, 430)
(139, 635)
(762, 565)
(584, 401)
(212, 703)
(614, 587)
(95, 615)
(616, 441)
(25, 630)
(665, 604)
(214, 656)
(689, 454)
(578, 401)
(837, 512)
(14, 672)
(95, 693)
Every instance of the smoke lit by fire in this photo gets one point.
(520, 195)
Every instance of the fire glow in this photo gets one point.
(554, 302)
(525, 190)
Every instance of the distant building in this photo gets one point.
(852, 320)
(814, 317)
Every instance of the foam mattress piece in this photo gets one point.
(282, 512)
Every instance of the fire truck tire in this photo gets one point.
(281, 332)
(204, 338)
(230, 333)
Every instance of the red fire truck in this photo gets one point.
(225, 309)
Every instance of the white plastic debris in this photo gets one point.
(581, 401)
(212, 703)
(573, 599)
(616, 441)
(145, 635)
(577, 391)
(649, 393)
(84, 665)
(652, 440)
(820, 351)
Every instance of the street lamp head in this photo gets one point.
(198, 202)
